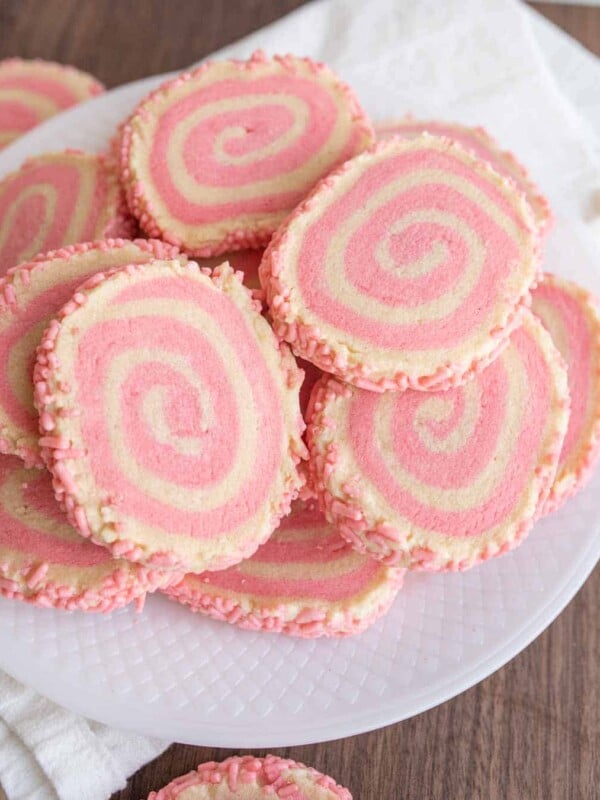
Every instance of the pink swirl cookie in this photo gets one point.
(216, 158)
(44, 561)
(30, 295)
(32, 91)
(251, 778)
(170, 416)
(570, 315)
(479, 142)
(305, 581)
(409, 267)
(444, 480)
(58, 199)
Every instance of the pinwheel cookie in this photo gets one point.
(442, 481)
(478, 141)
(58, 199)
(305, 581)
(30, 295)
(251, 778)
(409, 267)
(171, 416)
(216, 158)
(571, 316)
(32, 91)
(44, 561)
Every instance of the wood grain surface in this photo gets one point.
(530, 731)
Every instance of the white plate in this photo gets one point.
(176, 675)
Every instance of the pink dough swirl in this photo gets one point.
(43, 560)
(478, 141)
(439, 474)
(181, 407)
(571, 316)
(32, 91)
(30, 295)
(233, 146)
(58, 199)
(31, 522)
(408, 266)
(304, 581)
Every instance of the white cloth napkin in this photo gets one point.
(47, 753)
(479, 61)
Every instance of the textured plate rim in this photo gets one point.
(229, 734)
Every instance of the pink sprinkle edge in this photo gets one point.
(268, 774)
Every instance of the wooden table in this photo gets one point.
(529, 732)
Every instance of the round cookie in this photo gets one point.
(171, 416)
(32, 91)
(216, 158)
(304, 581)
(250, 778)
(443, 481)
(409, 267)
(58, 199)
(570, 315)
(30, 295)
(44, 561)
(478, 141)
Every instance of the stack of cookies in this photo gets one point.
(265, 357)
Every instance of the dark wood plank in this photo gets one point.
(530, 731)
(582, 22)
(129, 39)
